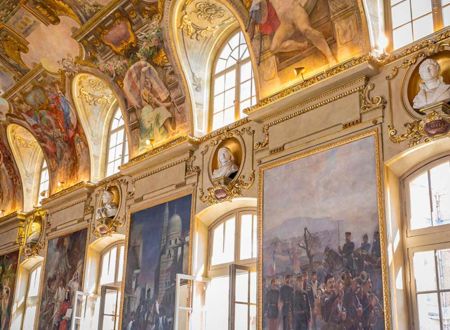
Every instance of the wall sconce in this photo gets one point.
(299, 71)
(60, 184)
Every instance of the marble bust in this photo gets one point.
(108, 208)
(432, 89)
(226, 164)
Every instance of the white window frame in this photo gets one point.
(44, 167)
(420, 240)
(125, 148)
(27, 291)
(237, 86)
(116, 285)
(437, 16)
(223, 269)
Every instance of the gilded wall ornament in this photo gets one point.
(120, 36)
(436, 123)
(31, 236)
(226, 164)
(108, 202)
(368, 102)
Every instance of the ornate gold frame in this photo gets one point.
(136, 207)
(380, 204)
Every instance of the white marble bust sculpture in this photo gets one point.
(432, 89)
(226, 164)
(108, 208)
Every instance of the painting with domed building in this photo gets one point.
(158, 249)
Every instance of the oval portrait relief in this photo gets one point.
(226, 160)
(430, 81)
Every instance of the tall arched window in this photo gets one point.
(427, 195)
(232, 269)
(117, 144)
(24, 313)
(414, 19)
(110, 279)
(44, 183)
(233, 84)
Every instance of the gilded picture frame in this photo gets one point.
(373, 134)
(148, 204)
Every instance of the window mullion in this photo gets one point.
(438, 288)
(237, 93)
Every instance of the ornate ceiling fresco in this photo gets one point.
(147, 58)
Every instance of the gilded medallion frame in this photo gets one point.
(380, 206)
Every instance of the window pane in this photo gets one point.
(230, 79)
(229, 98)
(402, 36)
(445, 310)
(110, 302)
(229, 116)
(218, 120)
(446, 14)
(108, 267)
(30, 313)
(219, 84)
(217, 310)
(35, 277)
(255, 237)
(423, 26)
(246, 236)
(428, 311)
(420, 211)
(246, 71)
(440, 193)
(241, 316)
(223, 243)
(121, 261)
(253, 287)
(443, 257)
(420, 7)
(401, 14)
(242, 286)
(219, 102)
(424, 271)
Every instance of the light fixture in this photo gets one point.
(60, 184)
(299, 71)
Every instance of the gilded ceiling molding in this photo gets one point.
(25, 80)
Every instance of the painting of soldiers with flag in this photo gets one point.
(322, 260)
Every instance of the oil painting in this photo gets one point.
(8, 268)
(62, 279)
(321, 251)
(158, 249)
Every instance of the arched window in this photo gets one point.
(117, 144)
(44, 183)
(414, 19)
(427, 195)
(111, 273)
(232, 268)
(24, 314)
(233, 84)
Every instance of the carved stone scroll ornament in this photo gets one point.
(436, 123)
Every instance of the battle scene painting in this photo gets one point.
(321, 266)
(158, 249)
(8, 268)
(62, 279)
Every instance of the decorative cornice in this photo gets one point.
(67, 191)
(160, 169)
(316, 103)
(13, 215)
(369, 59)
(223, 130)
(158, 150)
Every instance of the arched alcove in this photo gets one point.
(198, 31)
(29, 157)
(96, 104)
